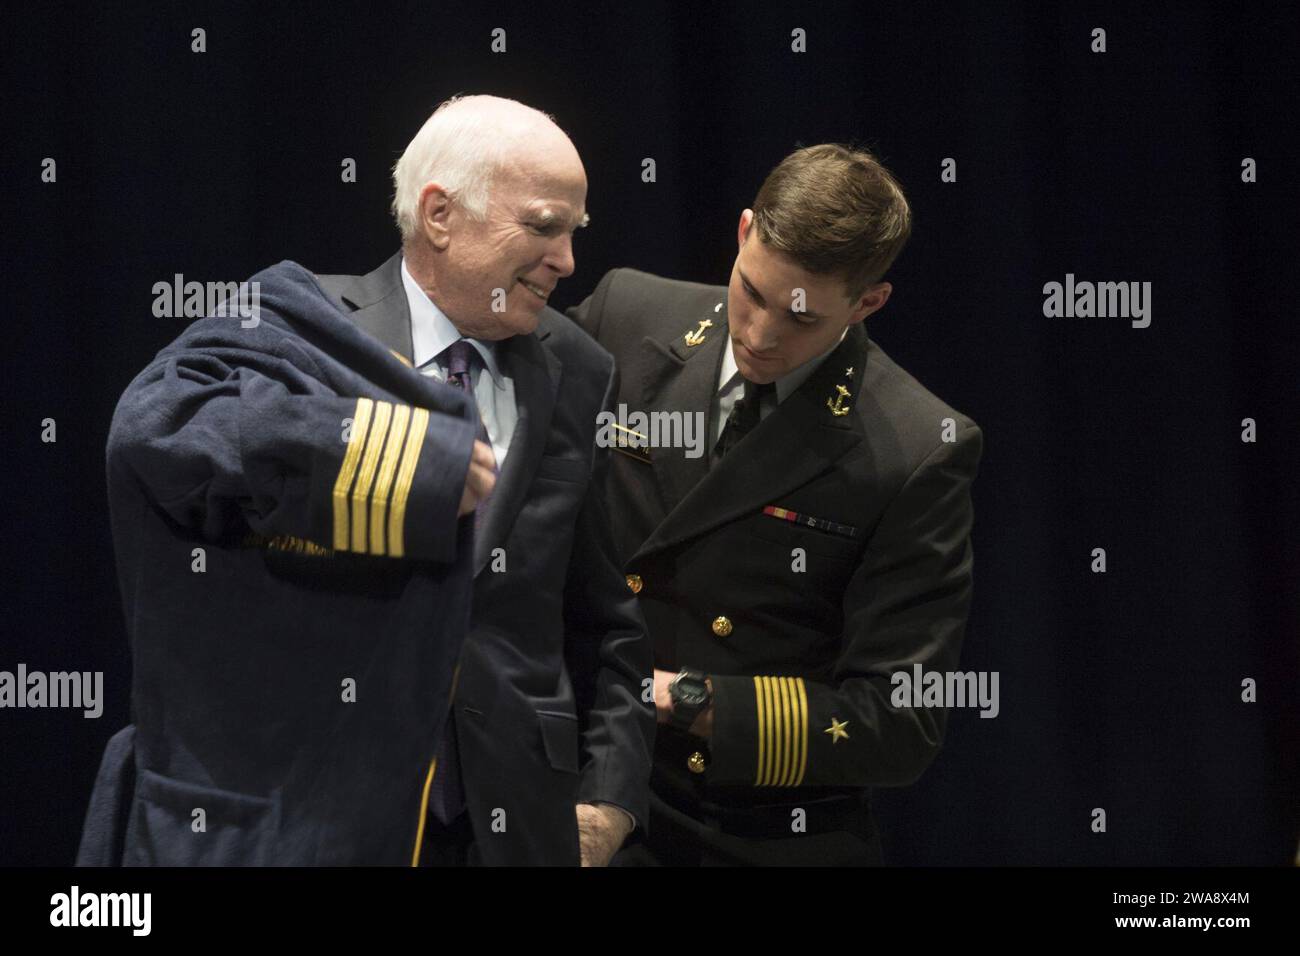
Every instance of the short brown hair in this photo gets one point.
(835, 211)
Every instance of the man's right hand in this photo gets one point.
(480, 478)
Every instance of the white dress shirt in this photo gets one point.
(431, 335)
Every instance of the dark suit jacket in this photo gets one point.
(799, 650)
(548, 701)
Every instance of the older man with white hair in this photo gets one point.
(375, 611)
(548, 715)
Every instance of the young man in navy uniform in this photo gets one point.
(819, 545)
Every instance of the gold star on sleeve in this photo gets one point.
(836, 730)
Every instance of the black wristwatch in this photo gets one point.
(690, 694)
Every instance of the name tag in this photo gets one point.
(631, 443)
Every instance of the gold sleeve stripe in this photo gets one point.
(366, 474)
(792, 750)
(405, 475)
(360, 425)
(773, 728)
(803, 731)
(387, 468)
(781, 708)
(788, 712)
(778, 733)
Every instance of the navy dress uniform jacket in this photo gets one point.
(549, 709)
(297, 589)
(852, 472)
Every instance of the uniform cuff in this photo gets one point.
(760, 731)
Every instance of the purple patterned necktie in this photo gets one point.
(447, 794)
(460, 359)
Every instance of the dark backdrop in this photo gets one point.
(1118, 690)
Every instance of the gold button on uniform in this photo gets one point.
(695, 762)
(721, 626)
(634, 583)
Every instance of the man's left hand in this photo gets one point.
(601, 831)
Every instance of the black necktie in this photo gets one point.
(744, 416)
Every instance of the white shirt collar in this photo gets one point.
(432, 333)
(787, 384)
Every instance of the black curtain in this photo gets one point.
(1120, 691)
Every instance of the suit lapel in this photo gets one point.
(380, 308)
(801, 439)
(684, 378)
(536, 374)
